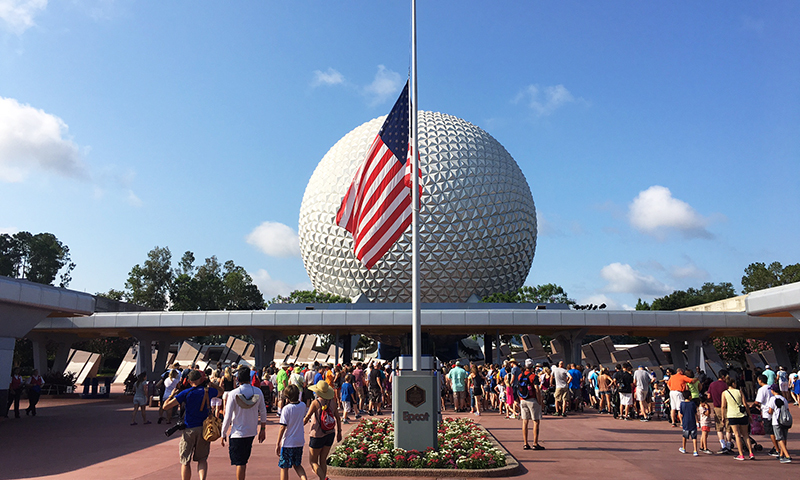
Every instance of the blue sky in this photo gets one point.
(661, 141)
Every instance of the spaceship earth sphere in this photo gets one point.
(477, 219)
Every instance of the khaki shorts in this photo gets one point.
(641, 394)
(562, 394)
(193, 447)
(721, 421)
(530, 409)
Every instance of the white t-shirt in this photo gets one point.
(560, 375)
(169, 386)
(775, 410)
(763, 396)
(292, 416)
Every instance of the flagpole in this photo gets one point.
(416, 330)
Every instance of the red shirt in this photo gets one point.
(716, 389)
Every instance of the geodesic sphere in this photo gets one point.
(477, 220)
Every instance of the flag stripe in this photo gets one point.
(376, 209)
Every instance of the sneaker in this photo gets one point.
(644, 419)
(723, 451)
(682, 450)
(739, 457)
(786, 460)
(752, 457)
(708, 452)
(774, 452)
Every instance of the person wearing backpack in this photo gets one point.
(778, 407)
(530, 404)
(327, 424)
(242, 412)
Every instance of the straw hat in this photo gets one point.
(322, 389)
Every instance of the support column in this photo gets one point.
(144, 354)
(571, 341)
(6, 363)
(348, 344)
(487, 348)
(497, 359)
(161, 359)
(677, 342)
(63, 347)
(780, 347)
(265, 347)
(336, 348)
(39, 354)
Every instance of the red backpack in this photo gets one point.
(327, 421)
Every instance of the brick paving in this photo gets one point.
(91, 439)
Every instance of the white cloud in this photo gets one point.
(545, 100)
(133, 199)
(688, 271)
(31, 139)
(622, 278)
(275, 239)
(655, 211)
(8, 230)
(329, 77)
(271, 287)
(18, 15)
(384, 87)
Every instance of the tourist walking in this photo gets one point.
(716, 390)
(140, 398)
(375, 386)
(763, 396)
(778, 408)
(326, 425)
(530, 405)
(476, 383)
(242, 413)
(15, 391)
(562, 379)
(458, 384)
(642, 379)
(193, 447)
(735, 407)
(34, 384)
(291, 435)
(688, 416)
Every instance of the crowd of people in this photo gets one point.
(328, 396)
(320, 395)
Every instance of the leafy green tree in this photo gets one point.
(111, 294)
(148, 285)
(37, 258)
(758, 276)
(709, 292)
(213, 287)
(310, 296)
(640, 305)
(548, 293)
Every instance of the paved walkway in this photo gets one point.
(91, 439)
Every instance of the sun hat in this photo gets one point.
(322, 389)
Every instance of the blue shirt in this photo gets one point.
(576, 378)
(193, 398)
(689, 415)
(347, 392)
(458, 377)
(318, 377)
(770, 376)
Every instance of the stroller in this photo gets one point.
(755, 427)
(550, 401)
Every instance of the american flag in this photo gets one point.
(377, 207)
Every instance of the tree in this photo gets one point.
(548, 293)
(149, 285)
(310, 296)
(36, 258)
(709, 292)
(758, 276)
(213, 287)
(640, 305)
(111, 294)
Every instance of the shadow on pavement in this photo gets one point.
(69, 434)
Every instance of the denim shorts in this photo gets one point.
(291, 457)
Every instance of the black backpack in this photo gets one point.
(524, 387)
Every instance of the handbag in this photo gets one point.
(212, 425)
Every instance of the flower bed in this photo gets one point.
(463, 445)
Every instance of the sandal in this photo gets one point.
(526, 447)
